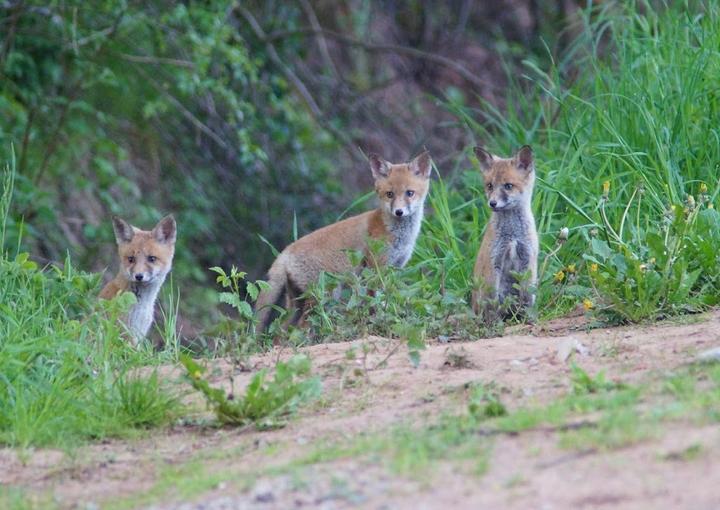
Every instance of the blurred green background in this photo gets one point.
(250, 119)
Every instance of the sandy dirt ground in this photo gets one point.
(200, 467)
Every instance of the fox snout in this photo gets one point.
(498, 203)
(140, 276)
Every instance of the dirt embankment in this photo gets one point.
(199, 467)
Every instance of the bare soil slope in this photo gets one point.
(192, 467)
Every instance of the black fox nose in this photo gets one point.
(493, 203)
(139, 277)
(398, 212)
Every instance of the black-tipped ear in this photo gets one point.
(484, 157)
(524, 158)
(380, 168)
(422, 165)
(123, 230)
(166, 230)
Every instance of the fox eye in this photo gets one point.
(489, 186)
(409, 193)
(152, 258)
(389, 194)
(131, 259)
(508, 186)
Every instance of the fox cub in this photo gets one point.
(401, 188)
(510, 244)
(145, 260)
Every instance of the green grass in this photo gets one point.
(624, 127)
(66, 373)
(595, 414)
(12, 498)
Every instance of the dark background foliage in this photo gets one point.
(241, 118)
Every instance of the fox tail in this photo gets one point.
(277, 279)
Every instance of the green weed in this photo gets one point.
(266, 403)
(390, 302)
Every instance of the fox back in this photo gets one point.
(145, 260)
(401, 190)
(510, 243)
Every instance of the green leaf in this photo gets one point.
(230, 298)
(252, 291)
(245, 310)
(600, 248)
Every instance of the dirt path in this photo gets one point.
(192, 467)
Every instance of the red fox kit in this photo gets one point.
(145, 260)
(401, 188)
(510, 243)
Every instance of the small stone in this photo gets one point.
(265, 497)
(569, 346)
(709, 356)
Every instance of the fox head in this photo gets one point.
(508, 181)
(402, 187)
(145, 255)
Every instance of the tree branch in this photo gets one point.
(275, 57)
(186, 113)
(291, 76)
(322, 43)
(158, 60)
(385, 48)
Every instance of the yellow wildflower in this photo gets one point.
(559, 276)
(571, 269)
(593, 268)
(703, 188)
(197, 374)
(606, 188)
(588, 305)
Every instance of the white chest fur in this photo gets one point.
(403, 234)
(140, 317)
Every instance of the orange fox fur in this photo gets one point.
(145, 260)
(401, 188)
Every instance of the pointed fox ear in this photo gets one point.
(166, 230)
(484, 157)
(124, 232)
(380, 168)
(524, 158)
(422, 165)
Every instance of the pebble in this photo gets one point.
(709, 356)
